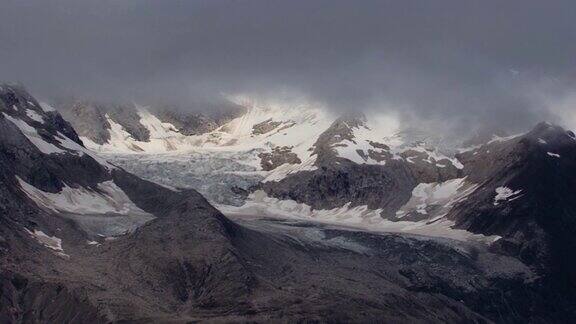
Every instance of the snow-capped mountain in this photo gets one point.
(82, 240)
(270, 140)
(302, 162)
(60, 207)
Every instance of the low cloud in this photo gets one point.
(459, 63)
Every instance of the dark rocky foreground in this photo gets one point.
(191, 263)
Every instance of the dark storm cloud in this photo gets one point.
(496, 62)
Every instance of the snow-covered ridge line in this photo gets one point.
(32, 134)
(66, 144)
(379, 136)
(294, 126)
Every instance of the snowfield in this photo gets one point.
(259, 205)
(51, 242)
(505, 194)
(106, 211)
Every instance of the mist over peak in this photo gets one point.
(458, 64)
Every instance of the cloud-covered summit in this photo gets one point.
(502, 64)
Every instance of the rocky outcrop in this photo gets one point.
(88, 119)
(527, 195)
(92, 119)
(202, 118)
(128, 117)
(278, 156)
(265, 127)
(386, 182)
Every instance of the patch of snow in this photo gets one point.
(468, 148)
(439, 198)
(105, 210)
(541, 141)
(51, 242)
(500, 139)
(31, 104)
(457, 163)
(48, 148)
(553, 154)
(432, 155)
(46, 107)
(34, 115)
(33, 136)
(504, 194)
(109, 198)
(79, 149)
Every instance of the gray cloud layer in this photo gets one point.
(485, 61)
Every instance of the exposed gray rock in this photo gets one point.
(128, 117)
(277, 157)
(265, 127)
(340, 130)
(89, 119)
(538, 221)
(427, 169)
(346, 182)
(202, 119)
(188, 123)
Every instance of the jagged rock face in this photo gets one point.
(335, 186)
(16, 102)
(88, 119)
(527, 195)
(277, 157)
(209, 118)
(341, 130)
(428, 170)
(188, 124)
(128, 117)
(26, 160)
(265, 127)
(92, 119)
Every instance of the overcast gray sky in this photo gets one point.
(497, 62)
